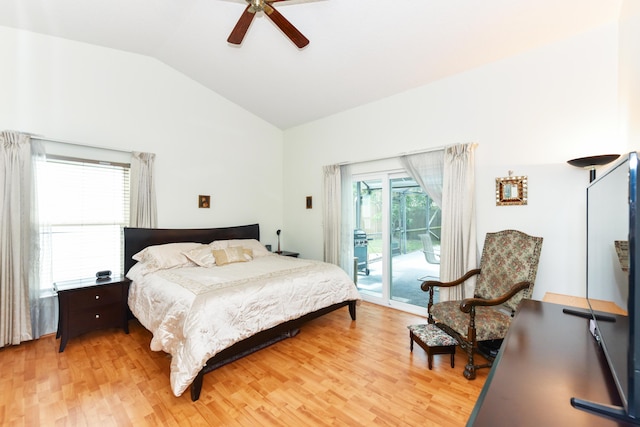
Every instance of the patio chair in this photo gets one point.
(427, 248)
(507, 273)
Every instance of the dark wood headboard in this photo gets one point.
(136, 239)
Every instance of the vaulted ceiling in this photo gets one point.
(360, 51)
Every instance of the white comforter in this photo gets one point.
(196, 312)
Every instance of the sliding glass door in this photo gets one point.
(415, 225)
(367, 235)
(396, 239)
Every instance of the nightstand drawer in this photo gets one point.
(107, 316)
(82, 299)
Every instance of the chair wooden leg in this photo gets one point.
(470, 370)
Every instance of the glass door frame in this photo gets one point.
(385, 178)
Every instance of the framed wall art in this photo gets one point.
(204, 201)
(511, 190)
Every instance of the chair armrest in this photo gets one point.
(435, 283)
(467, 304)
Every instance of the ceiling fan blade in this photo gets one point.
(287, 27)
(238, 32)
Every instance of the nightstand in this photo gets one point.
(287, 253)
(90, 304)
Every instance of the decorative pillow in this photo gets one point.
(165, 256)
(248, 254)
(219, 244)
(202, 256)
(256, 247)
(229, 255)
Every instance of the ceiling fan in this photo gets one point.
(255, 6)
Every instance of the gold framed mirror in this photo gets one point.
(511, 190)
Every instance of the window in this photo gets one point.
(83, 205)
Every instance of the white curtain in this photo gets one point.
(44, 305)
(346, 229)
(458, 252)
(337, 234)
(19, 239)
(143, 209)
(331, 213)
(427, 170)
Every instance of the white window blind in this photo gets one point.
(83, 205)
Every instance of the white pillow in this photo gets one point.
(136, 272)
(170, 255)
(202, 256)
(219, 244)
(256, 247)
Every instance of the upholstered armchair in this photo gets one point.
(507, 273)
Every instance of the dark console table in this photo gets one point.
(547, 358)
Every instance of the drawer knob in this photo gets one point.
(97, 316)
(97, 296)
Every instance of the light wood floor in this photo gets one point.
(335, 372)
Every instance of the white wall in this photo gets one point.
(204, 144)
(529, 113)
(630, 73)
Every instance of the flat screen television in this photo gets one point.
(613, 235)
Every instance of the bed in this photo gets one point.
(206, 315)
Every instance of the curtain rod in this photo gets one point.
(60, 141)
(407, 153)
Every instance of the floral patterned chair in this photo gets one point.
(506, 275)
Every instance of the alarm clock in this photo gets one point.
(103, 275)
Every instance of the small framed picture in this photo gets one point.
(204, 201)
(309, 202)
(511, 190)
